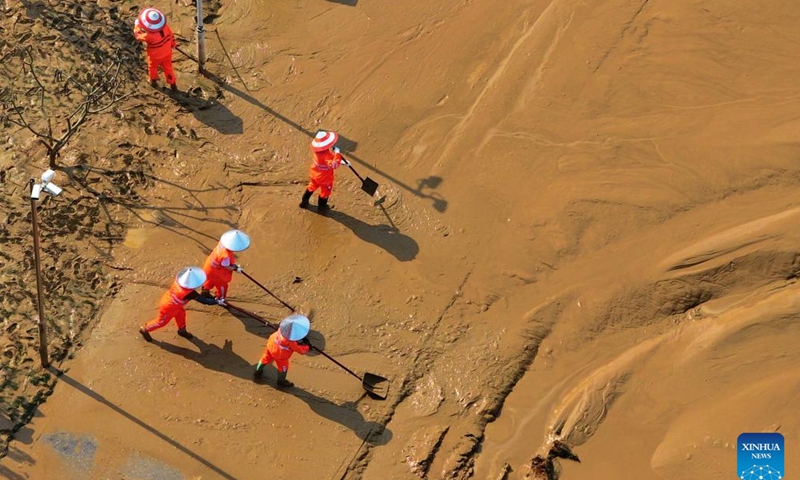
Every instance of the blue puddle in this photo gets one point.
(141, 468)
(78, 450)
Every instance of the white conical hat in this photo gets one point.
(191, 277)
(295, 327)
(235, 240)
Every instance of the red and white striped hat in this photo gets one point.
(324, 140)
(152, 19)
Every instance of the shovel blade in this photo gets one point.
(370, 186)
(377, 387)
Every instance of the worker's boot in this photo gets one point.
(154, 83)
(258, 372)
(183, 333)
(323, 207)
(282, 382)
(145, 334)
(174, 87)
(306, 198)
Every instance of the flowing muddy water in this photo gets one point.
(584, 246)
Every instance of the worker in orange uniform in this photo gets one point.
(173, 302)
(151, 28)
(326, 159)
(288, 339)
(221, 263)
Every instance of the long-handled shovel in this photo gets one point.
(377, 387)
(367, 184)
(267, 290)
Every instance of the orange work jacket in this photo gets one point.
(323, 165)
(215, 263)
(159, 44)
(281, 348)
(175, 296)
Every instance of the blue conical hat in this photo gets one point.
(191, 277)
(295, 327)
(235, 240)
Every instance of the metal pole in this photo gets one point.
(39, 294)
(201, 37)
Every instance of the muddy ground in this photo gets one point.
(581, 261)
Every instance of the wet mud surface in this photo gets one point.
(584, 240)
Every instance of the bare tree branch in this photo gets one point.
(99, 91)
(27, 61)
(21, 122)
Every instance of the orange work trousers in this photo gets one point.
(165, 314)
(281, 363)
(218, 284)
(325, 189)
(165, 63)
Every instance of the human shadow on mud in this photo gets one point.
(208, 111)
(388, 237)
(345, 414)
(349, 3)
(213, 357)
(93, 394)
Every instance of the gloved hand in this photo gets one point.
(237, 267)
(336, 150)
(221, 301)
(344, 161)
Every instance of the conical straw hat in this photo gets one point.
(295, 327)
(191, 277)
(235, 240)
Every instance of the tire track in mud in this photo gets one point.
(694, 338)
(421, 361)
(452, 449)
(538, 327)
(457, 133)
(535, 79)
(715, 268)
(626, 26)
